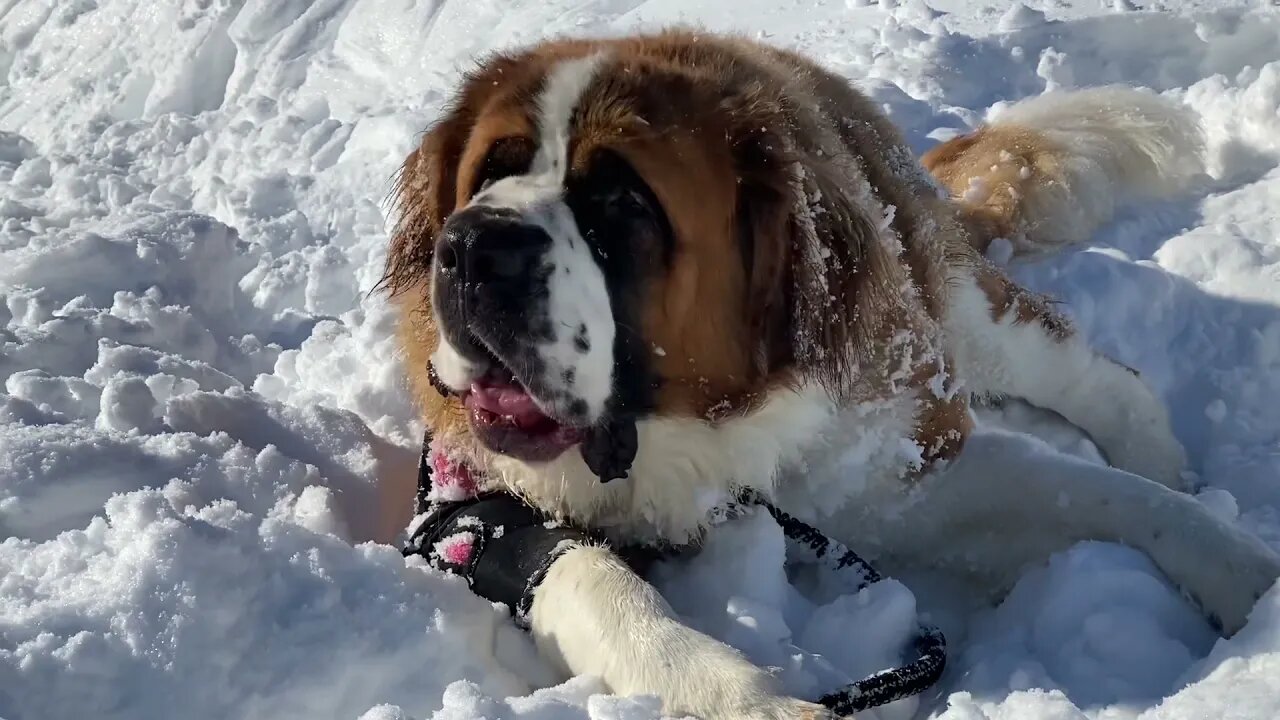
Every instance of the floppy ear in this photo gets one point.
(812, 252)
(426, 187)
(423, 196)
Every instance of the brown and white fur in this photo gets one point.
(819, 291)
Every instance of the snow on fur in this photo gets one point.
(1113, 144)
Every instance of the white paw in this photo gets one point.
(1154, 454)
(1145, 444)
(1239, 574)
(1222, 567)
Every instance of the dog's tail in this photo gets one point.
(1048, 171)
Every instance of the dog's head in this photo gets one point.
(600, 232)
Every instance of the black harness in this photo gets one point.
(503, 548)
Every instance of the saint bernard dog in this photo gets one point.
(637, 275)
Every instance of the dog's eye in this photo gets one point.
(614, 205)
(506, 157)
(626, 200)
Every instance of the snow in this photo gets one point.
(207, 450)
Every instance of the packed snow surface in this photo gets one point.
(207, 448)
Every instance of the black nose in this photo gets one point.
(490, 249)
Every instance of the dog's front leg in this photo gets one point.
(592, 615)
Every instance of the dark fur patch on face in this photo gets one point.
(506, 157)
(623, 223)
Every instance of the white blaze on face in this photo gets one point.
(577, 363)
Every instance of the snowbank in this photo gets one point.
(206, 447)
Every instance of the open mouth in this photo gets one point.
(507, 420)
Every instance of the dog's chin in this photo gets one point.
(506, 419)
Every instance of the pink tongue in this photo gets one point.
(508, 400)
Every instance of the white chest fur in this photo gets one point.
(797, 445)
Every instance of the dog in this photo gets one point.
(637, 275)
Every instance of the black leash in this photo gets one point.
(929, 646)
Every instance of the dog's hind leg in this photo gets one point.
(1008, 501)
(1008, 341)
